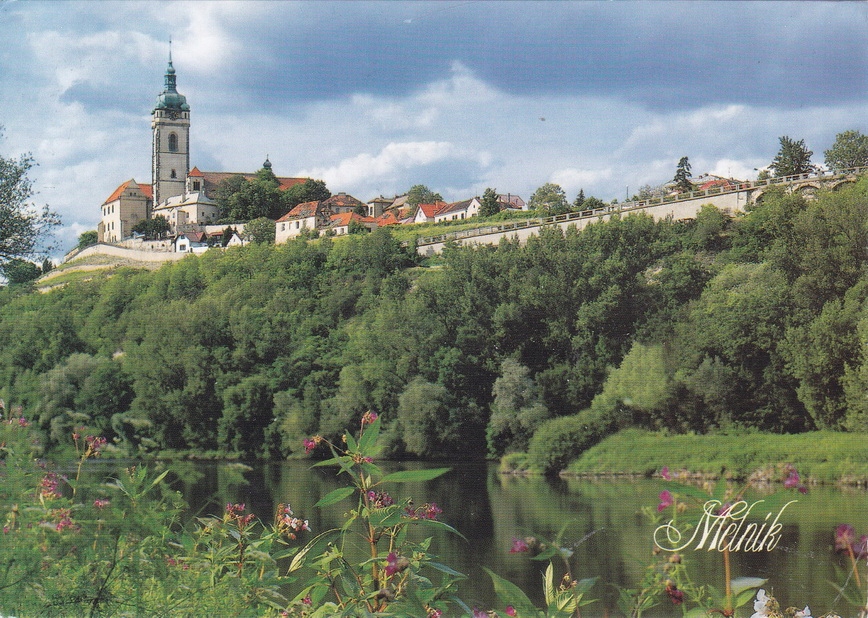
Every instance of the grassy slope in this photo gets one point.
(822, 456)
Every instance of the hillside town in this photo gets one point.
(183, 200)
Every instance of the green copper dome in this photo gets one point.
(170, 98)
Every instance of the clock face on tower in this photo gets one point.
(173, 114)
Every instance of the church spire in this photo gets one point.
(170, 98)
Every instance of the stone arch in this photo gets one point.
(843, 183)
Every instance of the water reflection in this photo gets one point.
(611, 538)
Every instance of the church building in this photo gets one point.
(180, 194)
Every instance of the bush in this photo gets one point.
(559, 441)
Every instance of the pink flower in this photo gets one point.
(666, 500)
(860, 547)
(307, 601)
(479, 613)
(510, 611)
(793, 481)
(309, 445)
(369, 417)
(664, 472)
(101, 504)
(519, 546)
(845, 534)
(395, 564)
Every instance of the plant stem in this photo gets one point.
(728, 574)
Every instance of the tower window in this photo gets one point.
(174, 174)
(173, 142)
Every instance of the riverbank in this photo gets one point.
(822, 457)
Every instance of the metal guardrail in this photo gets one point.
(638, 205)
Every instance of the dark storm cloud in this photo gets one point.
(661, 55)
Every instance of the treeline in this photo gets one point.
(757, 321)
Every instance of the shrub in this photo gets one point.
(559, 441)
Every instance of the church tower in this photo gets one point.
(170, 155)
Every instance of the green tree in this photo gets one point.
(153, 229)
(18, 271)
(580, 200)
(260, 230)
(224, 194)
(86, 239)
(792, 159)
(489, 206)
(549, 198)
(422, 411)
(516, 410)
(308, 191)
(850, 150)
(420, 194)
(682, 175)
(24, 229)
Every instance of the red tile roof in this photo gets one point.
(305, 210)
(342, 200)
(430, 210)
(131, 183)
(344, 218)
(387, 218)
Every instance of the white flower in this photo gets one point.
(805, 613)
(759, 606)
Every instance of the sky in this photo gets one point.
(375, 97)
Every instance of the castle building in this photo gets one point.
(182, 195)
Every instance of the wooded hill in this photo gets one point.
(757, 321)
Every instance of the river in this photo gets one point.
(605, 526)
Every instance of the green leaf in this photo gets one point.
(446, 569)
(740, 584)
(409, 476)
(321, 540)
(510, 594)
(549, 584)
(335, 496)
(369, 437)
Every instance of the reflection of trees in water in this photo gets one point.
(489, 510)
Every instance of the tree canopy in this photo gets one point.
(489, 205)
(849, 151)
(793, 158)
(682, 175)
(549, 198)
(420, 194)
(25, 230)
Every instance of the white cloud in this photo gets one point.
(572, 180)
(393, 157)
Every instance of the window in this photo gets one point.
(173, 142)
(196, 185)
(174, 174)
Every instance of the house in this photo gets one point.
(191, 242)
(390, 217)
(459, 210)
(378, 206)
(304, 217)
(187, 211)
(235, 240)
(710, 181)
(511, 202)
(129, 204)
(340, 223)
(426, 213)
(341, 202)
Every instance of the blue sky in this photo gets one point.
(376, 97)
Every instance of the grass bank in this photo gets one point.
(820, 456)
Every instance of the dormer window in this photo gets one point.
(196, 185)
(173, 142)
